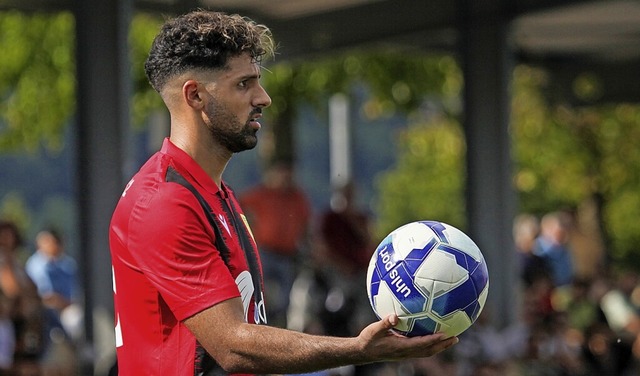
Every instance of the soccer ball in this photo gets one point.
(432, 275)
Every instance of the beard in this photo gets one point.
(228, 129)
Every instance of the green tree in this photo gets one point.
(38, 76)
(428, 180)
(37, 79)
(145, 100)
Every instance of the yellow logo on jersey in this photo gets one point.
(246, 223)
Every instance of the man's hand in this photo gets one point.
(380, 342)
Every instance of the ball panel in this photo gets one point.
(442, 266)
(444, 304)
(438, 229)
(386, 303)
(416, 257)
(409, 237)
(422, 327)
(373, 280)
(405, 325)
(482, 298)
(402, 286)
(455, 323)
(385, 256)
(463, 242)
(480, 276)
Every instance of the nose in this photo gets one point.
(262, 99)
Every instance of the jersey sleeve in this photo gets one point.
(175, 250)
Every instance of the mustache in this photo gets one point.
(257, 110)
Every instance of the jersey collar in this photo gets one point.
(188, 165)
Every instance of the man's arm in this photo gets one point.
(247, 348)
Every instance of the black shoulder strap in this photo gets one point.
(175, 177)
(247, 246)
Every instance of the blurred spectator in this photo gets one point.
(552, 246)
(344, 233)
(279, 214)
(21, 314)
(342, 249)
(583, 308)
(623, 317)
(55, 274)
(621, 313)
(586, 242)
(481, 348)
(605, 354)
(526, 228)
(535, 309)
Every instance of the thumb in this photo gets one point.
(381, 327)
(391, 320)
(387, 323)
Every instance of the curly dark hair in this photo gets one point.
(204, 40)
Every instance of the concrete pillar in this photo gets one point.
(487, 64)
(102, 124)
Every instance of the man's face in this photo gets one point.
(49, 245)
(235, 104)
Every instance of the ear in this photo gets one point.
(191, 92)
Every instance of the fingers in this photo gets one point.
(444, 344)
(435, 343)
(384, 326)
(391, 321)
(448, 342)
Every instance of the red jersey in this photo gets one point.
(167, 265)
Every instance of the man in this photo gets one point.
(552, 245)
(187, 283)
(54, 272)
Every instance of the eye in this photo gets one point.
(243, 83)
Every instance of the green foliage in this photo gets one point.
(428, 180)
(144, 28)
(37, 86)
(551, 166)
(38, 77)
(14, 208)
(398, 81)
(612, 134)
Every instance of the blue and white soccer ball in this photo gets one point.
(432, 275)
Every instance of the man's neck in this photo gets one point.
(212, 159)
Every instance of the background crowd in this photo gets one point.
(40, 313)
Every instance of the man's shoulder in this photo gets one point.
(150, 181)
(149, 198)
(35, 264)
